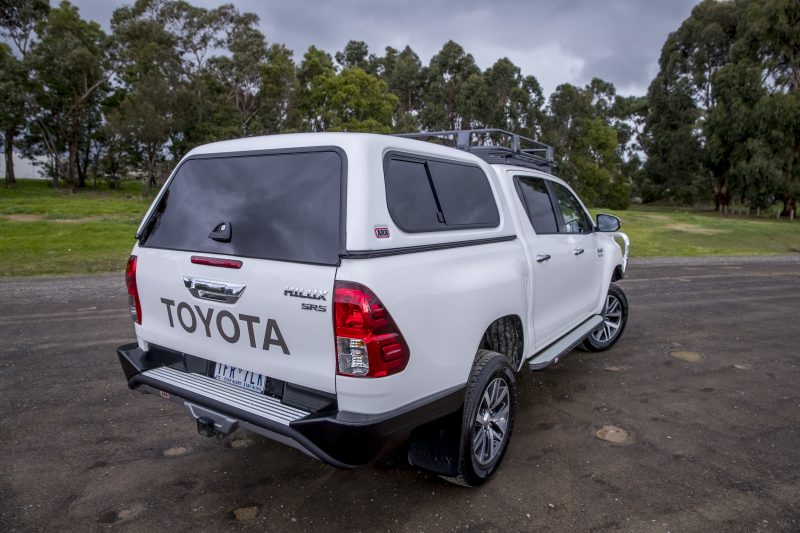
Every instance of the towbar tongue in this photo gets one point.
(211, 423)
(205, 427)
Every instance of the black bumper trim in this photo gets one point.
(340, 439)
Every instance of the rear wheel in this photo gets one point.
(615, 318)
(489, 411)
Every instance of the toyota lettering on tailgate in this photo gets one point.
(226, 324)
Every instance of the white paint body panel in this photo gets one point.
(442, 300)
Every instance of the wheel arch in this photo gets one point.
(506, 336)
(617, 274)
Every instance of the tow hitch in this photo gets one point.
(211, 423)
(205, 427)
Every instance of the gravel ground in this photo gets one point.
(691, 423)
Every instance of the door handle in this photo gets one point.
(217, 291)
(578, 251)
(541, 258)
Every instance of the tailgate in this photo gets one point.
(275, 217)
(280, 324)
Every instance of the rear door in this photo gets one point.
(237, 263)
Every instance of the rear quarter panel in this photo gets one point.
(442, 301)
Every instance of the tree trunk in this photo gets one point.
(72, 163)
(789, 205)
(8, 142)
(722, 198)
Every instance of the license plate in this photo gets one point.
(239, 377)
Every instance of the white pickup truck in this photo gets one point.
(348, 293)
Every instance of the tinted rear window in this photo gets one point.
(464, 194)
(410, 197)
(279, 206)
(536, 199)
(432, 195)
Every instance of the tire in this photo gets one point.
(491, 383)
(615, 318)
(503, 337)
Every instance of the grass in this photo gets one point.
(660, 231)
(46, 231)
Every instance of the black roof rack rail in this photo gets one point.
(488, 144)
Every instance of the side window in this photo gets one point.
(536, 199)
(575, 218)
(430, 195)
(464, 195)
(409, 196)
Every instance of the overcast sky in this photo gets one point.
(555, 40)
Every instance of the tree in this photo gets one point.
(17, 21)
(354, 55)
(69, 74)
(445, 78)
(579, 126)
(150, 71)
(279, 92)
(13, 84)
(314, 69)
(353, 100)
(403, 75)
(681, 98)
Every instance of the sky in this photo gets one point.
(557, 41)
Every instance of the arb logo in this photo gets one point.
(382, 233)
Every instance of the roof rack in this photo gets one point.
(493, 145)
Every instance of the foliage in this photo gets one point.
(720, 118)
(722, 107)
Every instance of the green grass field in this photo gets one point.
(659, 231)
(46, 231)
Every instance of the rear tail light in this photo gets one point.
(133, 291)
(368, 342)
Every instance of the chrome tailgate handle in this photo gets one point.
(217, 291)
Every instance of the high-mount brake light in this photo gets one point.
(368, 342)
(133, 290)
(215, 262)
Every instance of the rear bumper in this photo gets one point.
(340, 439)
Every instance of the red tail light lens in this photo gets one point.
(368, 342)
(133, 291)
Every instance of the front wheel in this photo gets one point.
(615, 318)
(489, 411)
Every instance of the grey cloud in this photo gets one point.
(556, 41)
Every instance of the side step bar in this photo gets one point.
(552, 353)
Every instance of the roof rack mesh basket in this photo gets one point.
(493, 146)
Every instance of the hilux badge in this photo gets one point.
(313, 294)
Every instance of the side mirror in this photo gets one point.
(607, 223)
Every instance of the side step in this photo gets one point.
(552, 353)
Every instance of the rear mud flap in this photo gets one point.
(436, 446)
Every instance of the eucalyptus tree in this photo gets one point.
(150, 72)
(69, 75)
(444, 80)
(579, 126)
(17, 21)
(279, 98)
(312, 72)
